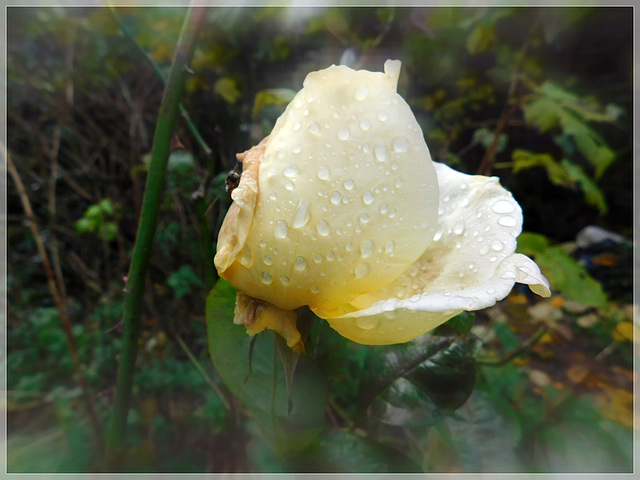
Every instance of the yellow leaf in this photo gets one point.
(625, 331)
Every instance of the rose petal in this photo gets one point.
(256, 316)
(346, 195)
(470, 265)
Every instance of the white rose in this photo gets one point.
(341, 209)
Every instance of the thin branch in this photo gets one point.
(524, 347)
(173, 93)
(202, 371)
(59, 302)
(486, 166)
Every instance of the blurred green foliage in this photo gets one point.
(541, 97)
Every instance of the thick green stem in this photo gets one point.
(135, 285)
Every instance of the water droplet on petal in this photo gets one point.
(289, 185)
(392, 213)
(503, 206)
(266, 278)
(290, 171)
(389, 246)
(285, 280)
(381, 152)
(367, 198)
(383, 116)
(331, 255)
(491, 291)
(300, 263)
(315, 290)
(317, 258)
(497, 245)
(280, 153)
(343, 133)
(246, 257)
(323, 228)
(335, 198)
(362, 270)
(438, 235)
(281, 229)
(302, 214)
(364, 218)
(296, 148)
(484, 250)
(401, 144)
(398, 183)
(272, 195)
(323, 172)
(367, 248)
(367, 323)
(314, 128)
(507, 221)
(361, 93)
(296, 126)
(365, 124)
(383, 208)
(263, 243)
(458, 228)
(348, 184)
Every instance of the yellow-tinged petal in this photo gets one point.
(257, 315)
(346, 196)
(470, 265)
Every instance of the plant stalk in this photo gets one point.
(60, 303)
(135, 285)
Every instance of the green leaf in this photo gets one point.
(460, 324)
(183, 280)
(542, 112)
(532, 243)
(484, 136)
(563, 271)
(483, 438)
(93, 211)
(275, 97)
(586, 108)
(523, 159)
(106, 206)
(228, 89)
(419, 382)
(481, 39)
(181, 161)
(84, 225)
(111, 231)
(592, 193)
(264, 391)
(555, 107)
(589, 143)
(338, 451)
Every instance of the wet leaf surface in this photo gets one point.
(419, 382)
(264, 391)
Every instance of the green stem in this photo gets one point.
(168, 113)
(183, 111)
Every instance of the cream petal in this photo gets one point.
(470, 265)
(346, 195)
